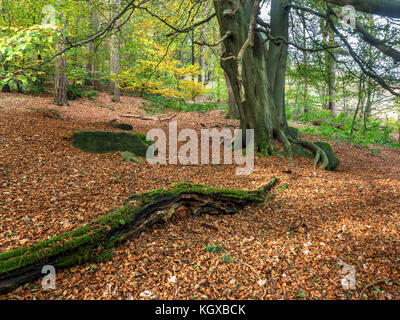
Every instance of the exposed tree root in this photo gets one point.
(286, 143)
(95, 241)
(320, 155)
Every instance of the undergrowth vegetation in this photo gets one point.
(344, 128)
(156, 104)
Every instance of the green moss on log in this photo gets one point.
(88, 239)
(94, 242)
(333, 160)
(109, 142)
(177, 189)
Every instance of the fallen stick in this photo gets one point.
(148, 118)
(219, 125)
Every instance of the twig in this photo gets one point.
(148, 118)
(372, 284)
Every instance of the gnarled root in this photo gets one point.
(320, 155)
(282, 138)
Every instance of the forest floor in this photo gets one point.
(295, 247)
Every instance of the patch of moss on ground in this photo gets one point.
(123, 126)
(109, 142)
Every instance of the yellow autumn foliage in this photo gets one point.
(152, 69)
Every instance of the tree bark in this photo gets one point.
(60, 83)
(6, 87)
(304, 69)
(233, 109)
(114, 58)
(91, 53)
(368, 105)
(202, 57)
(331, 73)
(263, 71)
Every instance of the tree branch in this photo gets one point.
(387, 8)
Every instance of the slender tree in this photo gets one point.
(331, 72)
(115, 52)
(60, 81)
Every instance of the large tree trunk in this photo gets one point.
(233, 109)
(260, 88)
(114, 58)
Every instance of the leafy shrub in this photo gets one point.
(91, 95)
(339, 128)
(74, 92)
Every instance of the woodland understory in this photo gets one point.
(84, 81)
(290, 247)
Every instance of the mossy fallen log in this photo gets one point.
(109, 142)
(94, 242)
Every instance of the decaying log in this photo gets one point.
(94, 242)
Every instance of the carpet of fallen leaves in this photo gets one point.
(292, 248)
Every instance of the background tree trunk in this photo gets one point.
(89, 64)
(331, 73)
(60, 83)
(202, 57)
(114, 58)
